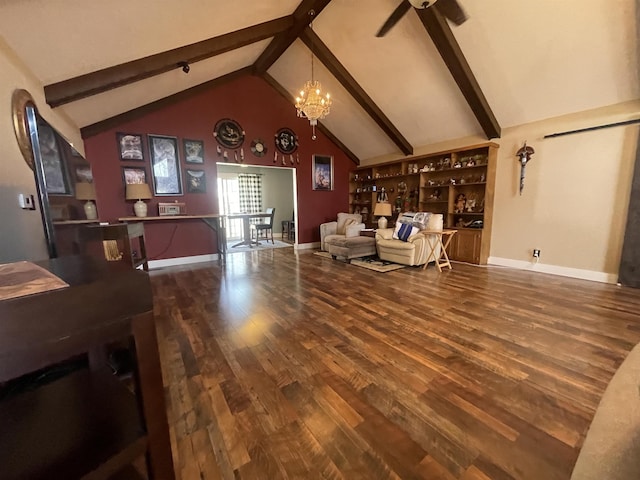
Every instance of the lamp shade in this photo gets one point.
(383, 209)
(138, 191)
(85, 191)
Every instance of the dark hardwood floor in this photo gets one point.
(294, 366)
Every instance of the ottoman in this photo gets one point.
(351, 247)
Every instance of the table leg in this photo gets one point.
(433, 243)
(149, 379)
(217, 225)
(443, 253)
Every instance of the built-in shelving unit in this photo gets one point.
(459, 184)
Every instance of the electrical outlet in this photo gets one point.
(536, 253)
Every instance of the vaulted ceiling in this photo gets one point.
(426, 81)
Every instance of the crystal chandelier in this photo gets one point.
(311, 104)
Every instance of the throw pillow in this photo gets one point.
(403, 231)
(344, 219)
(406, 217)
(353, 230)
(421, 220)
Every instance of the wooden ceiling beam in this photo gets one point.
(329, 60)
(450, 51)
(109, 78)
(282, 41)
(283, 91)
(117, 120)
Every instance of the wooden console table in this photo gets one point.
(214, 221)
(124, 233)
(86, 424)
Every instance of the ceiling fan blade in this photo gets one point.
(397, 14)
(452, 10)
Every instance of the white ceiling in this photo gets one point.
(532, 59)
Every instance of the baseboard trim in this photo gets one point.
(306, 246)
(592, 275)
(173, 262)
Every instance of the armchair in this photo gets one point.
(338, 229)
(412, 252)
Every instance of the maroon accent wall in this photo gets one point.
(261, 112)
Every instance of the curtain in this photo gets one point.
(250, 189)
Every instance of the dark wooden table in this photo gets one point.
(86, 423)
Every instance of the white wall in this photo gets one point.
(576, 193)
(22, 236)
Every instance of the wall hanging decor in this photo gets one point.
(258, 148)
(286, 141)
(228, 133)
(524, 156)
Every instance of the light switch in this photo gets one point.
(26, 201)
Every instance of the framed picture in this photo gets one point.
(322, 172)
(130, 146)
(54, 166)
(193, 151)
(59, 212)
(84, 174)
(165, 165)
(132, 175)
(196, 181)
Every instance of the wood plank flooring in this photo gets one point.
(294, 366)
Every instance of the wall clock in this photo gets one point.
(228, 133)
(258, 148)
(286, 141)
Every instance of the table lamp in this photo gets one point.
(138, 191)
(86, 191)
(382, 210)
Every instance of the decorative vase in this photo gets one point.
(140, 208)
(90, 210)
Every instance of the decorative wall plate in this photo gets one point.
(228, 133)
(258, 148)
(286, 141)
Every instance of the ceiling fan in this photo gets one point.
(451, 9)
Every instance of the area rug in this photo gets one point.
(375, 264)
(264, 245)
(371, 263)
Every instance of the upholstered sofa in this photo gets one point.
(611, 449)
(415, 250)
(348, 224)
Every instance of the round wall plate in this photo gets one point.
(228, 133)
(286, 141)
(258, 148)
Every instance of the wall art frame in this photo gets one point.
(165, 165)
(130, 146)
(133, 175)
(196, 181)
(322, 172)
(193, 150)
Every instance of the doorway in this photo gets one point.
(277, 189)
